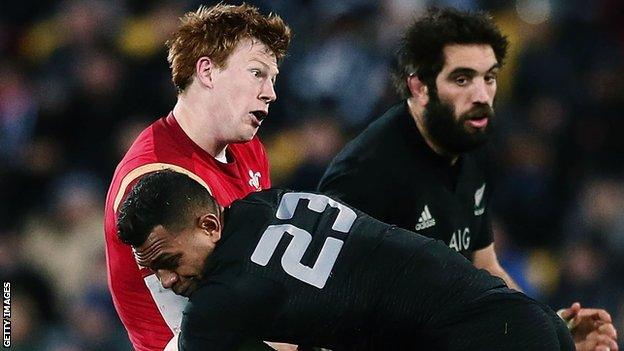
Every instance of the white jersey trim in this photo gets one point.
(148, 168)
(168, 303)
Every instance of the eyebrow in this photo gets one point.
(469, 71)
(264, 64)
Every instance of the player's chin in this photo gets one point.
(477, 132)
(248, 134)
(186, 291)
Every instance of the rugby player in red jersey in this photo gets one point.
(224, 65)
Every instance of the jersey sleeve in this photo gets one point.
(231, 314)
(486, 235)
(489, 166)
(212, 320)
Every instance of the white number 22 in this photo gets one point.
(291, 259)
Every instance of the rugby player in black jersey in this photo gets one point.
(303, 268)
(424, 164)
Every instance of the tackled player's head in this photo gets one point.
(173, 224)
(216, 31)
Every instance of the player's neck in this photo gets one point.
(197, 124)
(417, 113)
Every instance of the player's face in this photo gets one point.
(458, 117)
(244, 88)
(178, 259)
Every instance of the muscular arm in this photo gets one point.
(486, 259)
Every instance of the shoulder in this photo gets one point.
(380, 135)
(211, 315)
(209, 302)
(264, 200)
(156, 143)
(153, 150)
(371, 147)
(219, 314)
(369, 162)
(233, 301)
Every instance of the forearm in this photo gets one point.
(486, 259)
(501, 273)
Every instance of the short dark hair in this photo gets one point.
(167, 198)
(422, 48)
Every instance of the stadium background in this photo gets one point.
(79, 79)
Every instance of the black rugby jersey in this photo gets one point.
(305, 269)
(390, 173)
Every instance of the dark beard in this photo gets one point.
(450, 134)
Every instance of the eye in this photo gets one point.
(490, 78)
(461, 81)
(173, 262)
(256, 72)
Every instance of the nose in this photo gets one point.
(482, 92)
(267, 94)
(167, 278)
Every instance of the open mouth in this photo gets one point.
(260, 115)
(478, 119)
(478, 122)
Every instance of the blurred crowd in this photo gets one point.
(80, 78)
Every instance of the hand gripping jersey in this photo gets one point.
(148, 311)
(305, 269)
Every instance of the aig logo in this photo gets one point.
(460, 240)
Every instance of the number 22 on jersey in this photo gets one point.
(318, 274)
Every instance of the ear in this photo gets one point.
(211, 225)
(203, 71)
(418, 89)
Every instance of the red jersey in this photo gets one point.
(149, 312)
